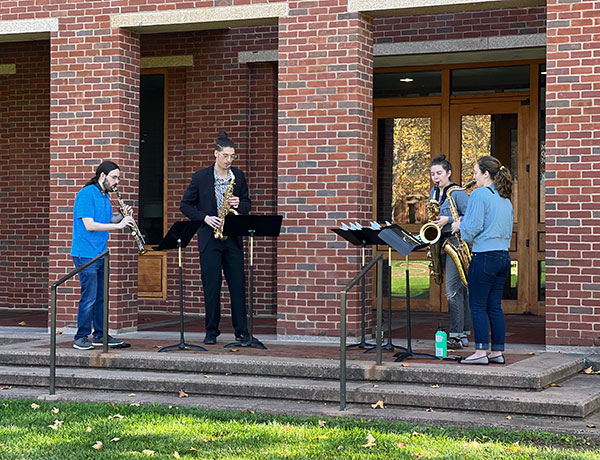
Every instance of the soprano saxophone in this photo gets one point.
(135, 231)
(225, 209)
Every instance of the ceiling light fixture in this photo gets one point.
(407, 80)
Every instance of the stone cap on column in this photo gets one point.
(27, 29)
(201, 18)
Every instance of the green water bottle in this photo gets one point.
(441, 342)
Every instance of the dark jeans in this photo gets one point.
(226, 256)
(487, 274)
(91, 305)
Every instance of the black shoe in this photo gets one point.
(497, 359)
(209, 340)
(242, 337)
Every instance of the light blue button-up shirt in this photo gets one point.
(488, 221)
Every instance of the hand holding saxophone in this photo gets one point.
(456, 227)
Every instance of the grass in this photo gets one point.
(161, 432)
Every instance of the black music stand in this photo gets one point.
(179, 236)
(389, 345)
(251, 225)
(403, 242)
(361, 237)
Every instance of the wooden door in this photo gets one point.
(501, 129)
(406, 139)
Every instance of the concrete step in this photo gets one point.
(533, 373)
(578, 396)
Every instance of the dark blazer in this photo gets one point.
(199, 200)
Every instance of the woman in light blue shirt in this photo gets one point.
(487, 225)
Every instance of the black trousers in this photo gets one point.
(223, 257)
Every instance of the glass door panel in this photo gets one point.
(406, 140)
(498, 130)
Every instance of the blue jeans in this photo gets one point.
(487, 274)
(91, 305)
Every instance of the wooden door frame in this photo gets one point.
(156, 261)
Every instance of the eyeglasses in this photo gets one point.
(115, 178)
(233, 156)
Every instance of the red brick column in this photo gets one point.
(94, 87)
(325, 162)
(572, 175)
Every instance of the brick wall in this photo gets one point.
(24, 157)
(465, 24)
(573, 175)
(325, 161)
(93, 117)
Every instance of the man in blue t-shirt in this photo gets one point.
(92, 220)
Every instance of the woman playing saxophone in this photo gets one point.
(456, 292)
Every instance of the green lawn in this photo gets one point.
(143, 432)
(419, 279)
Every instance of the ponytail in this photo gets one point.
(104, 167)
(499, 174)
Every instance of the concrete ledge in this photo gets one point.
(201, 18)
(578, 397)
(535, 373)
(386, 8)
(460, 45)
(245, 57)
(27, 29)
(8, 69)
(154, 62)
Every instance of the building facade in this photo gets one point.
(336, 106)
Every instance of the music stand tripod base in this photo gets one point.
(250, 225)
(253, 342)
(179, 236)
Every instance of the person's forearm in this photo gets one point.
(93, 226)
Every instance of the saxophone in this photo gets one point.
(460, 253)
(225, 209)
(430, 233)
(135, 231)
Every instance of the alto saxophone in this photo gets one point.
(225, 209)
(135, 231)
(430, 233)
(460, 253)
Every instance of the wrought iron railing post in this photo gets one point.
(343, 307)
(53, 312)
(52, 339)
(343, 351)
(378, 328)
(105, 306)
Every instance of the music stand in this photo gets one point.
(403, 242)
(179, 236)
(251, 225)
(389, 345)
(361, 237)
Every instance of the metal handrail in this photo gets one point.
(53, 313)
(343, 304)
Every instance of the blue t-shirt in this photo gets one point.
(488, 221)
(90, 202)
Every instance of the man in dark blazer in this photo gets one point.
(202, 201)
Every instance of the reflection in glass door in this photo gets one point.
(406, 139)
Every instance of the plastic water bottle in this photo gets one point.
(441, 342)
